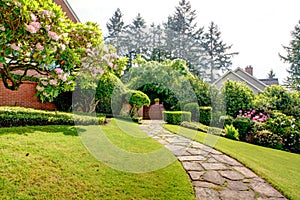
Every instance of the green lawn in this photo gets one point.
(51, 162)
(280, 168)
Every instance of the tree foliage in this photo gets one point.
(37, 36)
(293, 58)
(218, 56)
(238, 97)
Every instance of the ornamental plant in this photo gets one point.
(36, 36)
(253, 115)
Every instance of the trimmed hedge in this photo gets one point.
(243, 124)
(18, 116)
(176, 117)
(194, 109)
(205, 115)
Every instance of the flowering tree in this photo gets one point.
(37, 36)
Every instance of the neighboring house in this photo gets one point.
(24, 96)
(246, 76)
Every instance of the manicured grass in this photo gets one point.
(51, 162)
(280, 168)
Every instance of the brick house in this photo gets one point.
(24, 96)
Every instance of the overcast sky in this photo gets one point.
(257, 29)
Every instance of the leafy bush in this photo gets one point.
(17, 116)
(276, 97)
(226, 120)
(176, 117)
(287, 128)
(109, 94)
(268, 139)
(136, 99)
(238, 97)
(205, 115)
(194, 109)
(63, 102)
(243, 124)
(231, 132)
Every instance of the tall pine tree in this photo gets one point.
(115, 28)
(183, 37)
(293, 58)
(218, 56)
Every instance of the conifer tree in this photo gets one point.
(293, 58)
(218, 56)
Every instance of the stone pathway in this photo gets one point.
(214, 175)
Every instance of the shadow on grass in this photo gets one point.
(24, 130)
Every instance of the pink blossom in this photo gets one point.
(44, 83)
(1, 65)
(53, 35)
(63, 77)
(36, 25)
(62, 46)
(15, 47)
(46, 13)
(39, 47)
(59, 71)
(2, 28)
(40, 88)
(53, 82)
(30, 28)
(33, 17)
(47, 27)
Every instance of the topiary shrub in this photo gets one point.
(136, 99)
(194, 109)
(176, 117)
(205, 115)
(231, 132)
(243, 124)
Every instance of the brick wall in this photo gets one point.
(23, 97)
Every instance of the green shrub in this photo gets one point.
(238, 97)
(231, 132)
(136, 99)
(205, 115)
(226, 120)
(176, 117)
(17, 116)
(243, 124)
(63, 102)
(268, 139)
(287, 128)
(194, 109)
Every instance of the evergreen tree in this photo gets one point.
(115, 28)
(293, 58)
(218, 56)
(183, 37)
(271, 74)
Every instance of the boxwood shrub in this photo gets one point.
(205, 115)
(18, 116)
(176, 117)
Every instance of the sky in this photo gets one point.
(257, 29)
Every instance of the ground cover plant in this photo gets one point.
(50, 162)
(279, 168)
